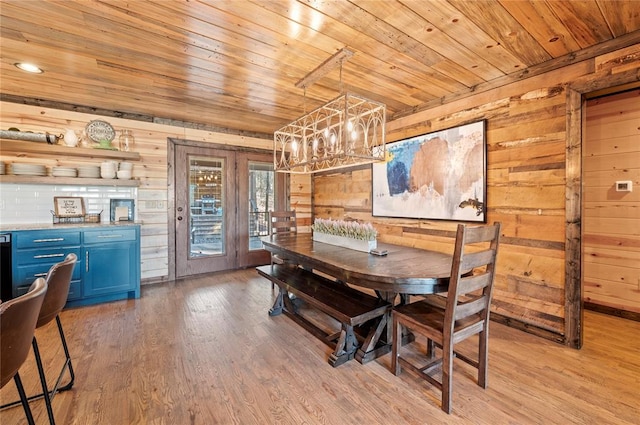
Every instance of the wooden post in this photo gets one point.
(573, 203)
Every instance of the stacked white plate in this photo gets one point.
(28, 169)
(108, 169)
(1, 168)
(89, 171)
(64, 172)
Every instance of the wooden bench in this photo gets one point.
(347, 305)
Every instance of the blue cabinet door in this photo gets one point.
(111, 263)
(110, 268)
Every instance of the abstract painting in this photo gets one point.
(439, 175)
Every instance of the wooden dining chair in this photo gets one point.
(18, 319)
(282, 223)
(58, 281)
(463, 313)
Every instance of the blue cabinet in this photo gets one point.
(111, 262)
(108, 265)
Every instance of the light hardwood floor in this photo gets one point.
(204, 351)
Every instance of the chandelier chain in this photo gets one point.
(304, 104)
(341, 87)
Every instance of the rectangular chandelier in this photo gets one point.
(347, 131)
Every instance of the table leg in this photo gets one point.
(373, 345)
(378, 341)
(380, 337)
(278, 304)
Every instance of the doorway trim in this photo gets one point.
(171, 188)
(577, 93)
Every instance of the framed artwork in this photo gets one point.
(68, 207)
(435, 176)
(122, 210)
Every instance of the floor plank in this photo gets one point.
(204, 351)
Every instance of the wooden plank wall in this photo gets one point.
(526, 144)
(300, 200)
(151, 170)
(611, 219)
(526, 129)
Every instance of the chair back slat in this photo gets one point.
(476, 282)
(467, 309)
(479, 234)
(474, 260)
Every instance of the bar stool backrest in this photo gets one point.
(59, 280)
(18, 319)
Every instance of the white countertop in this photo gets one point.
(45, 226)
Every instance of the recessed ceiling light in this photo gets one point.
(29, 67)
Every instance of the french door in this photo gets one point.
(222, 203)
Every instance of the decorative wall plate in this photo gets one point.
(99, 130)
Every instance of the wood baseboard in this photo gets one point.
(526, 327)
(154, 280)
(625, 314)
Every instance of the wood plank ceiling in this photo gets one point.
(233, 64)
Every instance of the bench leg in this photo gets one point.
(345, 347)
(278, 304)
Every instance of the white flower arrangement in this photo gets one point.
(347, 229)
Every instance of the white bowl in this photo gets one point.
(126, 166)
(124, 174)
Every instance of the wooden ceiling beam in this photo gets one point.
(325, 67)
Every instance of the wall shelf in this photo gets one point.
(22, 148)
(75, 181)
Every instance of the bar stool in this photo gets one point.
(58, 280)
(18, 319)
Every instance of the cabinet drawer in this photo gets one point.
(50, 255)
(110, 235)
(25, 275)
(43, 238)
(75, 290)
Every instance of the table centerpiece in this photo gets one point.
(347, 234)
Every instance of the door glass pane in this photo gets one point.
(261, 200)
(206, 200)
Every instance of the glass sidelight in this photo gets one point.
(262, 199)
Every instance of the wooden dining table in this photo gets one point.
(402, 272)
